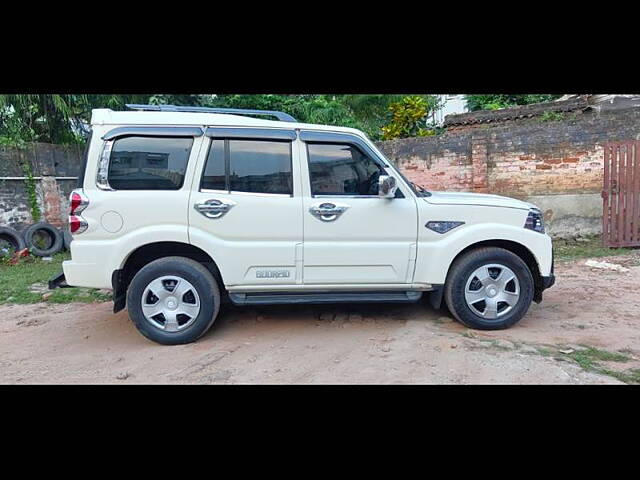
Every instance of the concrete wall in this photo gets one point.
(56, 169)
(555, 164)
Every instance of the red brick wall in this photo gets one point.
(516, 158)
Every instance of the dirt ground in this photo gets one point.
(86, 343)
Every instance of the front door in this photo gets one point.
(351, 235)
(245, 207)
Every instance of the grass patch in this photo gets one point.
(16, 280)
(589, 357)
(545, 352)
(590, 247)
(631, 376)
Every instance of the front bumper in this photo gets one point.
(544, 282)
(547, 282)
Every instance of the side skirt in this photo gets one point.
(273, 298)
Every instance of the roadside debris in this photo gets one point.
(606, 266)
(17, 255)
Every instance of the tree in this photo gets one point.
(63, 118)
(53, 118)
(409, 118)
(497, 101)
(310, 108)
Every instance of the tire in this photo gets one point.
(466, 294)
(56, 244)
(156, 277)
(13, 237)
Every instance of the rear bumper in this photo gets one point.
(91, 275)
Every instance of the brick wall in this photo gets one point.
(517, 158)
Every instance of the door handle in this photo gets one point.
(328, 212)
(214, 208)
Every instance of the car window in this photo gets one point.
(149, 163)
(255, 166)
(340, 169)
(214, 174)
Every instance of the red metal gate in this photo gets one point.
(621, 194)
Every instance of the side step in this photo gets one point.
(273, 298)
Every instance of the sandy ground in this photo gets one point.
(80, 343)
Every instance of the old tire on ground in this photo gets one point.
(489, 289)
(67, 238)
(12, 237)
(173, 300)
(43, 239)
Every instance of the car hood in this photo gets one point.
(477, 199)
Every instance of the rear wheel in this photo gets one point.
(173, 300)
(489, 288)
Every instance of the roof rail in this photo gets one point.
(283, 117)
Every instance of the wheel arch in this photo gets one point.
(516, 248)
(144, 254)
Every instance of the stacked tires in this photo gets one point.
(42, 239)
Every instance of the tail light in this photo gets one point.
(77, 224)
(77, 203)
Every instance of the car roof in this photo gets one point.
(105, 116)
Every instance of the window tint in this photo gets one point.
(256, 166)
(214, 177)
(149, 163)
(342, 170)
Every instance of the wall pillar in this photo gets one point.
(479, 161)
(51, 196)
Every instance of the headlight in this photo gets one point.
(534, 221)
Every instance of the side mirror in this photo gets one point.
(387, 186)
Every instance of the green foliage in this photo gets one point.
(52, 118)
(62, 119)
(497, 101)
(364, 112)
(551, 116)
(30, 186)
(409, 118)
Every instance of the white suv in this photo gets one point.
(182, 207)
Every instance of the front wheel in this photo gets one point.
(489, 289)
(173, 300)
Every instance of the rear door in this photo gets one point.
(351, 235)
(140, 188)
(245, 206)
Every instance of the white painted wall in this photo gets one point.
(450, 104)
